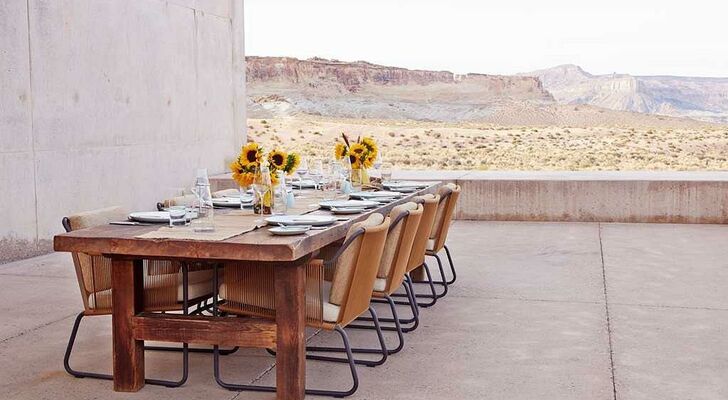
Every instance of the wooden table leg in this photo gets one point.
(127, 283)
(290, 292)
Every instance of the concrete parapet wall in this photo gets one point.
(620, 196)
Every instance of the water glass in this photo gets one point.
(280, 195)
(386, 172)
(302, 173)
(245, 198)
(177, 215)
(280, 200)
(317, 173)
(329, 186)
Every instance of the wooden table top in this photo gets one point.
(258, 245)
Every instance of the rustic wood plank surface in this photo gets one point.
(258, 245)
(199, 329)
(290, 297)
(127, 298)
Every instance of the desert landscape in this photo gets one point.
(440, 120)
(429, 145)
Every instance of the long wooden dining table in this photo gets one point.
(287, 254)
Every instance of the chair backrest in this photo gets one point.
(93, 271)
(419, 246)
(357, 266)
(405, 219)
(449, 195)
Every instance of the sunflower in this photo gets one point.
(358, 153)
(240, 174)
(277, 159)
(369, 161)
(371, 145)
(358, 150)
(251, 154)
(340, 150)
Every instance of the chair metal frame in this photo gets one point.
(348, 349)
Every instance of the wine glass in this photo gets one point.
(316, 173)
(260, 187)
(379, 161)
(302, 173)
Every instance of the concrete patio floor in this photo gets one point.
(539, 311)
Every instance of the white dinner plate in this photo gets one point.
(313, 220)
(305, 184)
(230, 201)
(150, 216)
(248, 194)
(374, 195)
(395, 185)
(289, 230)
(347, 210)
(348, 203)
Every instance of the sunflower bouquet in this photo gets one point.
(252, 157)
(361, 153)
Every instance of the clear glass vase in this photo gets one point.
(359, 178)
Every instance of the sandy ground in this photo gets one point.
(415, 144)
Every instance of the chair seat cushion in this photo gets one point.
(380, 284)
(330, 311)
(431, 244)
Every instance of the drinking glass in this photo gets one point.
(280, 195)
(302, 173)
(316, 173)
(329, 186)
(378, 165)
(244, 196)
(177, 215)
(379, 161)
(205, 221)
(386, 172)
(261, 185)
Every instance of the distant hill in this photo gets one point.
(284, 86)
(699, 98)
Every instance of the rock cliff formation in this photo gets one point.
(698, 98)
(284, 85)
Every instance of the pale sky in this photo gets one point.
(667, 37)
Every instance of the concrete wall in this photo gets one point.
(593, 196)
(107, 102)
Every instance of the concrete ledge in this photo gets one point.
(584, 196)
